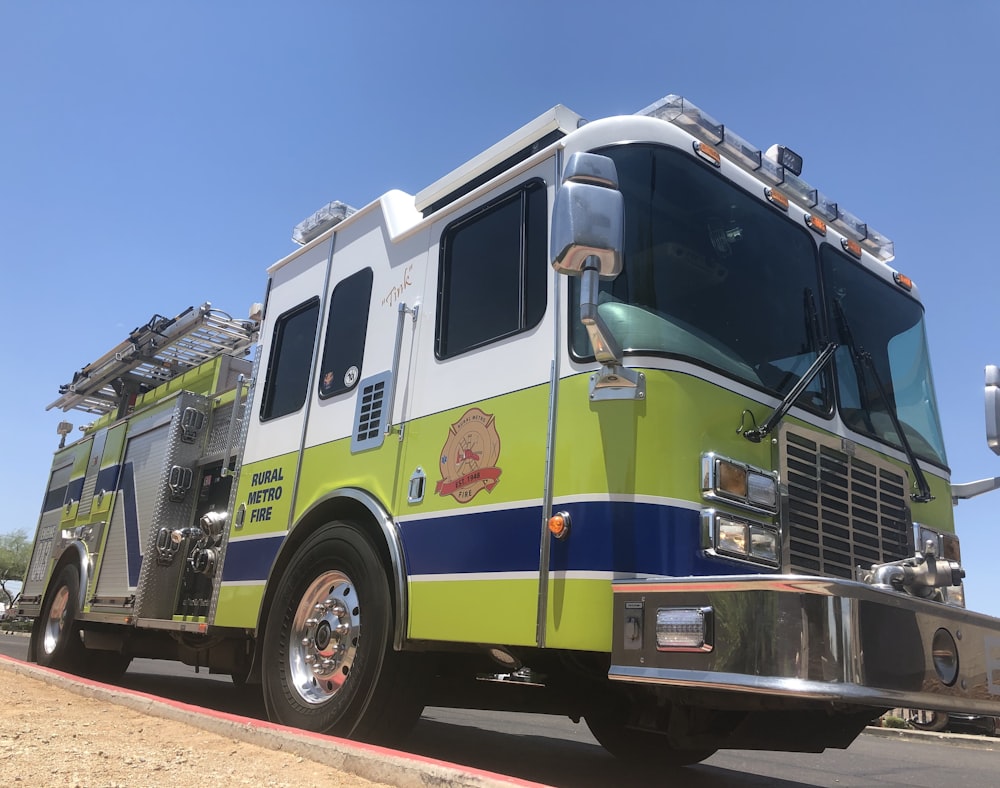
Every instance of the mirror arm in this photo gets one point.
(962, 492)
(606, 347)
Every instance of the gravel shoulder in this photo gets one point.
(52, 736)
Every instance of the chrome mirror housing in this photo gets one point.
(588, 217)
(993, 408)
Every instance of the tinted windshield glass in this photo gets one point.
(710, 274)
(869, 315)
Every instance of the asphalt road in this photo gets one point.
(556, 751)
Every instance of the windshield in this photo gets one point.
(711, 273)
(714, 275)
(869, 315)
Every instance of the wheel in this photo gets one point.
(328, 661)
(927, 720)
(56, 639)
(638, 747)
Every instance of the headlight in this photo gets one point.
(764, 544)
(738, 538)
(739, 484)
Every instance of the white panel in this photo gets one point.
(296, 280)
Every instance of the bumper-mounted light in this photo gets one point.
(684, 629)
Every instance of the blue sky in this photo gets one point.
(157, 155)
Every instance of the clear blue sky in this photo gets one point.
(156, 155)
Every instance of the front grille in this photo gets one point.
(844, 509)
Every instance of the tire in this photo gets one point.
(637, 747)
(56, 639)
(328, 662)
(928, 720)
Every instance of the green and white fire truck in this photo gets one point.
(621, 420)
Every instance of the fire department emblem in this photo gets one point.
(469, 457)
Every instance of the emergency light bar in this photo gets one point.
(779, 167)
(326, 217)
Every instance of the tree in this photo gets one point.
(15, 551)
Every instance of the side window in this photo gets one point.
(291, 357)
(346, 327)
(493, 272)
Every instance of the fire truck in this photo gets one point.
(621, 420)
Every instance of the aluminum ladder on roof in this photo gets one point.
(153, 354)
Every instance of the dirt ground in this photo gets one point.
(50, 736)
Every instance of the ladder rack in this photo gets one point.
(153, 354)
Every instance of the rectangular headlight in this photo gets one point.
(731, 535)
(739, 484)
(764, 544)
(734, 537)
(762, 490)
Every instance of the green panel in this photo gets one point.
(651, 446)
(520, 420)
(330, 466)
(579, 615)
(239, 606)
(474, 611)
(114, 446)
(939, 513)
(81, 459)
(265, 489)
(199, 380)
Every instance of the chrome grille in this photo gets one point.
(844, 508)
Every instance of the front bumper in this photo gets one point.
(811, 639)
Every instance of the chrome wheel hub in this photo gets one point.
(56, 621)
(324, 637)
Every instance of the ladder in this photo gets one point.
(153, 354)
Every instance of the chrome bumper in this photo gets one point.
(808, 638)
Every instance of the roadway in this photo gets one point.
(557, 752)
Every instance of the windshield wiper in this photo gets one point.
(862, 358)
(757, 433)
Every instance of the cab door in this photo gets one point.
(474, 444)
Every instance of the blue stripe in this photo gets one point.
(130, 508)
(605, 536)
(74, 490)
(482, 542)
(107, 478)
(250, 559)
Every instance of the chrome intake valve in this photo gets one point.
(918, 576)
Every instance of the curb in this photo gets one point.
(967, 740)
(378, 764)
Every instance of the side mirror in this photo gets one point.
(588, 217)
(993, 408)
(588, 221)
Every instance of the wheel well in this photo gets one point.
(347, 505)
